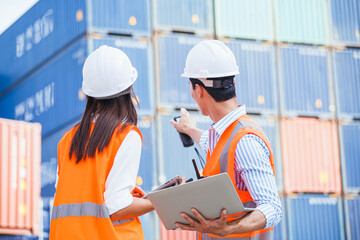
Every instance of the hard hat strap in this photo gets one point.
(126, 91)
(218, 83)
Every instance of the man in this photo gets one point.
(234, 144)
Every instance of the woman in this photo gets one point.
(98, 159)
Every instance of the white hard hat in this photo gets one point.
(107, 72)
(210, 59)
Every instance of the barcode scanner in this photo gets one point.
(185, 139)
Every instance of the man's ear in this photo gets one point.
(199, 90)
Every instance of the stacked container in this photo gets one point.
(20, 149)
(299, 79)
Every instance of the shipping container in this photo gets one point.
(53, 95)
(176, 234)
(310, 153)
(352, 216)
(345, 17)
(280, 229)
(347, 84)
(315, 216)
(303, 21)
(194, 16)
(256, 85)
(350, 155)
(51, 25)
(18, 237)
(120, 17)
(250, 19)
(305, 87)
(147, 175)
(49, 161)
(150, 224)
(20, 148)
(174, 158)
(172, 50)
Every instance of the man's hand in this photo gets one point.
(186, 123)
(138, 192)
(217, 227)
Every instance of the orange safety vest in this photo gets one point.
(79, 209)
(223, 159)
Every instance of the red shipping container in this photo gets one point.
(20, 158)
(176, 234)
(310, 156)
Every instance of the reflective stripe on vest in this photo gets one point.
(84, 209)
(261, 236)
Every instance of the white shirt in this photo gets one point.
(122, 176)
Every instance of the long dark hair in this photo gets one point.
(109, 114)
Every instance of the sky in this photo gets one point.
(11, 10)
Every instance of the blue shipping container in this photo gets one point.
(350, 155)
(148, 223)
(303, 21)
(49, 161)
(304, 81)
(120, 16)
(51, 25)
(184, 15)
(53, 96)
(175, 159)
(16, 237)
(280, 229)
(251, 19)
(345, 22)
(315, 216)
(256, 83)
(174, 90)
(352, 213)
(347, 84)
(42, 31)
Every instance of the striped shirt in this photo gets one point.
(252, 167)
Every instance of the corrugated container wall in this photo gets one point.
(256, 85)
(310, 156)
(315, 216)
(147, 175)
(149, 225)
(352, 216)
(51, 25)
(172, 50)
(175, 158)
(303, 21)
(304, 81)
(20, 149)
(280, 229)
(52, 95)
(40, 98)
(176, 234)
(345, 17)
(184, 15)
(251, 19)
(120, 16)
(14, 237)
(350, 156)
(347, 84)
(46, 28)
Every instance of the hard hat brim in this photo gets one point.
(188, 75)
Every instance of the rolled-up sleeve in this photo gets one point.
(204, 141)
(254, 173)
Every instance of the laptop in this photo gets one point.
(208, 195)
